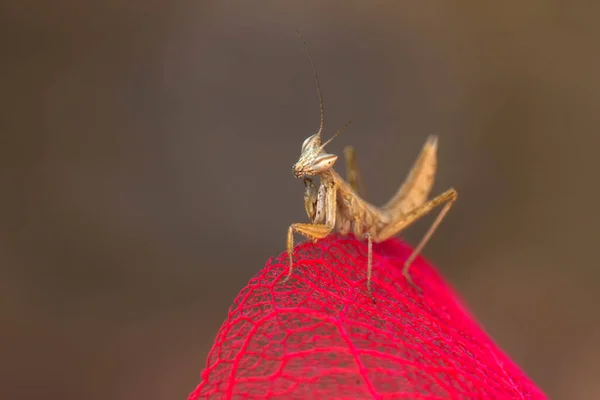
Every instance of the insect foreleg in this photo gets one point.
(310, 199)
(318, 230)
(321, 208)
(447, 198)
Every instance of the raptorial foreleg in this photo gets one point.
(317, 230)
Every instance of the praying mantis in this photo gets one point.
(336, 204)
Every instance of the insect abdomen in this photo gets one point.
(417, 186)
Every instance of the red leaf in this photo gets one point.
(321, 336)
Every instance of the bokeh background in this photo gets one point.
(145, 154)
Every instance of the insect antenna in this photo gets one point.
(335, 134)
(316, 79)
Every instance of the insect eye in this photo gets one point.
(311, 141)
(323, 162)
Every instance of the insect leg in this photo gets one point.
(352, 171)
(310, 199)
(314, 231)
(447, 198)
(369, 261)
(358, 226)
(311, 231)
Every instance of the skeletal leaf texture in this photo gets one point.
(321, 336)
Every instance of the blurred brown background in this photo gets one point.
(145, 167)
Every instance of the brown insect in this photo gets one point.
(336, 204)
